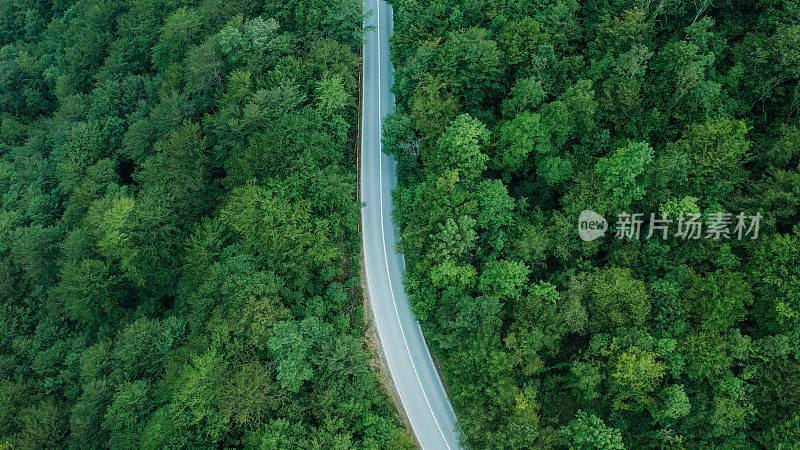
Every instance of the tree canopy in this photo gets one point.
(512, 118)
(178, 228)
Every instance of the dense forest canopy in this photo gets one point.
(512, 118)
(178, 227)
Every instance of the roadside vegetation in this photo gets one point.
(512, 118)
(178, 227)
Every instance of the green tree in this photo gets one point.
(460, 149)
(194, 406)
(86, 417)
(292, 343)
(142, 236)
(470, 61)
(775, 278)
(636, 374)
(718, 153)
(590, 432)
(143, 346)
(181, 29)
(400, 140)
(674, 404)
(621, 172)
(179, 166)
(519, 137)
(718, 300)
(43, 425)
(705, 356)
(283, 235)
(495, 211)
(616, 299)
(331, 95)
(732, 409)
(503, 278)
(92, 291)
(526, 95)
(433, 107)
(124, 417)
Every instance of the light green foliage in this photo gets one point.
(140, 235)
(731, 410)
(460, 148)
(455, 239)
(705, 356)
(42, 425)
(523, 135)
(432, 107)
(538, 326)
(87, 416)
(526, 95)
(674, 404)
(785, 435)
(399, 139)
(555, 170)
(239, 88)
(635, 376)
(622, 171)
(718, 152)
(91, 291)
(495, 204)
(686, 72)
(331, 95)
(195, 402)
(292, 343)
(142, 347)
(503, 278)
(615, 299)
(180, 30)
(251, 395)
(519, 40)
(179, 167)
(674, 207)
(123, 418)
(589, 432)
(283, 235)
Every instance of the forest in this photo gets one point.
(512, 118)
(179, 249)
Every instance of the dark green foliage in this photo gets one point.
(178, 227)
(512, 118)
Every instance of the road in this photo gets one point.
(415, 378)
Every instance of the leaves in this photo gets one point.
(176, 185)
(588, 431)
(659, 108)
(620, 170)
(459, 148)
(636, 374)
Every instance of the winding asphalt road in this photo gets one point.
(415, 377)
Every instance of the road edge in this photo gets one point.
(372, 340)
(377, 360)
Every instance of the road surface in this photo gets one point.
(415, 377)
